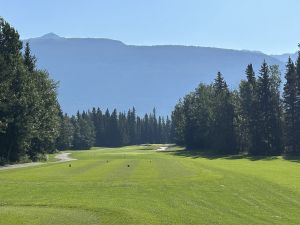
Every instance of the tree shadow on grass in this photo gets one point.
(213, 155)
(292, 158)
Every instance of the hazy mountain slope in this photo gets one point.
(284, 57)
(108, 73)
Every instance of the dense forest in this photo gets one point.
(97, 128)
(32, 123)
(255, 119)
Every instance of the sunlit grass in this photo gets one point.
(137, 185)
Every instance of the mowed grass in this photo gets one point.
(157, 188)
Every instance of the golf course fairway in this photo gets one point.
(139, 185)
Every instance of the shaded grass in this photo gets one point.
(293, 158)
(210, 154)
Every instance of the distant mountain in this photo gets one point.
(284, 57)
(108, 73)
(50, 36)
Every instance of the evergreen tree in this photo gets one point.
(132, 129)
(268, 108)
(98, 121)
(220, 85)
(29, 121)
(249, 112)
(123, 128)
(167, 130)
(114, 135)
(84, 131)
(297, 102)
(277, 111)
(139, 130)
(66, 133)
(178, 124)
(29, 60)
(223, 122)
(290, 99)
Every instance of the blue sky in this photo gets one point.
(271, 26)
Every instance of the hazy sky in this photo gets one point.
(271, 26)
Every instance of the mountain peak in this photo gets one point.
(50, 35)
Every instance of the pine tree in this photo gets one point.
(123, 127)
(178, 124)
(66, 133)
(268, 105)
(277, 111)
(220, 85)
(192, 129)
(168, 128)
(97, 119)
(29, 60)
(84, 131)
(131, 118)
(264, 105)
(223, 122)
(107, 128)
(249, 112)
(114, 135)
(139, 130)
(297, 103)
(145, 129)
(290, 97)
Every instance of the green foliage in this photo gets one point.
(230, 122)
(291, 101)
(28, 102)
(66, 133)
(29, 60)
(248, 112)
(205, 119)
(223, 133)
(84, 131)
(269, 111)
(290, 98)
(94, 128)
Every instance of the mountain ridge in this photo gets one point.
(52, 35)
(111, 74)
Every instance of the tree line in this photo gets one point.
(256, 118)
(97, 128)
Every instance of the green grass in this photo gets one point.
(158, 188)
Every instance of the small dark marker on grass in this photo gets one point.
(70, 165)
(128, 165)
